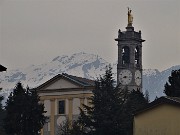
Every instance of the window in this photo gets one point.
(61, 108)
(137, 56)
(125, 55)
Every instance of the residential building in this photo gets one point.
(160, 117)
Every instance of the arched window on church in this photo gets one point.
(125, 55)
(137, 56)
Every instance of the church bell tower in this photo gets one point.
(129, 67)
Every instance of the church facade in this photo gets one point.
(62, 96)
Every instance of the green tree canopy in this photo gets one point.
(24, 112)
(1, 99)
(2, 115)
(172, 87)
(135, 101)
(103, 115)
(111, 110)
(70, 128)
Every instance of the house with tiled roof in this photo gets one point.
(62, 96)
(160, 117)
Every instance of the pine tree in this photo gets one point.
(147, 96)
(172, 88)
(156, 98)
(103, 116)
(70, 128)
(1, 107)
(135, 101)
(64, 128)
(2, 114)
(112, 109)
(24, 112)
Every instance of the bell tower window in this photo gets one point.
(137, 56)
(125, 55)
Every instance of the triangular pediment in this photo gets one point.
(61, 84)
(65, 82)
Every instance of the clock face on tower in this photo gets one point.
(138, 77)
(125, 77)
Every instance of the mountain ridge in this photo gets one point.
(79, 64)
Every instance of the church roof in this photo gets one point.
(162, 100)
(83, 82)
(80, 80)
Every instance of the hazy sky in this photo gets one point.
(36, 31)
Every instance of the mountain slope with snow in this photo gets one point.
(79, 64)
(155, 82)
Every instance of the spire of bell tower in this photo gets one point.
(130, 18)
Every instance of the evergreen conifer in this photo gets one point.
(2, 115)
(135, 101)
(103, 115)
(172, 87)
(24, 112)
(111, 110)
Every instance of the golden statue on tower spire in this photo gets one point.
(130, 17)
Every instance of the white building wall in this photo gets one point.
(61, 120)
(60, 93)
(76, 105)
(56, 107)
(67, 107)
(61, 83)
(47, 105)
(85, 101)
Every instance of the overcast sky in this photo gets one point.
(36, 31)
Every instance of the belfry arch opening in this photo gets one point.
(125, 55)
(137, 55)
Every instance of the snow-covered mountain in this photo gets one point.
(154, 82)
(79, 64)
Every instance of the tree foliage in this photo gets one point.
(103, 115)
(172, 87)
(135, 101)
(1, 107)
(24, 112)
(146, 95)
(70, 128)
(64, 128)
(111, 110)
(2, 115)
